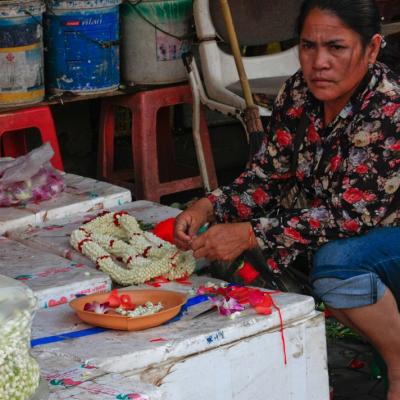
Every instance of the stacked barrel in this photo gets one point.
(73, 46)
(21, 52)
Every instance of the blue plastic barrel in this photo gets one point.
(82, 46)
(21, 52)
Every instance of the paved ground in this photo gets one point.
(351, 383)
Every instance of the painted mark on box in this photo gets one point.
(49, 272)
(99, 389)
(52, 302)
(215, 337)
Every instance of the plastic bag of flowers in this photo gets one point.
(29, 178)
(19, 371)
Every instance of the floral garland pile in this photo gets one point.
(145, 255)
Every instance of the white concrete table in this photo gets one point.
(53, 279)
(81, 195)
(208, 358)
(212, 357)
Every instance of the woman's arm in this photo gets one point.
(258, 190)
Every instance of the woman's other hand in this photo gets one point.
(224, 242)
(189, 222)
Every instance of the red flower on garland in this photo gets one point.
(117, 215)
(261, 301)
(165, 230)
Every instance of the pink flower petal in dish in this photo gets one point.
(96, 307)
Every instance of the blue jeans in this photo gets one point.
(356, 272)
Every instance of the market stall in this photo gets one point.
(194, 356)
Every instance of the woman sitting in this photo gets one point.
(346, 166)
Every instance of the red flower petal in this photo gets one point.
(126, 302)
(261, 309)
(114, 299)
(248, 273)
(165, 230)
(256, 297)
(267, 301)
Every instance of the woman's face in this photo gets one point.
(332, 57)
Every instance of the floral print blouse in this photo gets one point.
(348, 171)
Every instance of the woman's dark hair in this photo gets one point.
(362, 16)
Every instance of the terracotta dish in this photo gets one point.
(171, 301)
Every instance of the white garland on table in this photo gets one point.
(146, 309)
(145, 255)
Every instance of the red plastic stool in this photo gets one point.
(12, 137)
(152, 143)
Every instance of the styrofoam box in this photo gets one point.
(53, 237)
(53, 279)
(208, 358)
(70, 380)
(81, 195)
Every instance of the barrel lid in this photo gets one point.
(80, 4)
(21, 8)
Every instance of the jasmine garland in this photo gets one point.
(144, 255)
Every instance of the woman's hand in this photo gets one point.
(189, 222)
(224, 242)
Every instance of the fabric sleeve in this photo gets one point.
(367, 189)
(258, 189)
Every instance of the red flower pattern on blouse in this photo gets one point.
(284, 138)
(335, 162)
(362, 169)
(353, 195)
(259, 196)
(348, 171)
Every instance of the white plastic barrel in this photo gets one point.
(154, 35)
(21, 52)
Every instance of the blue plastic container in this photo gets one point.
(82, 46)
(21, 52)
